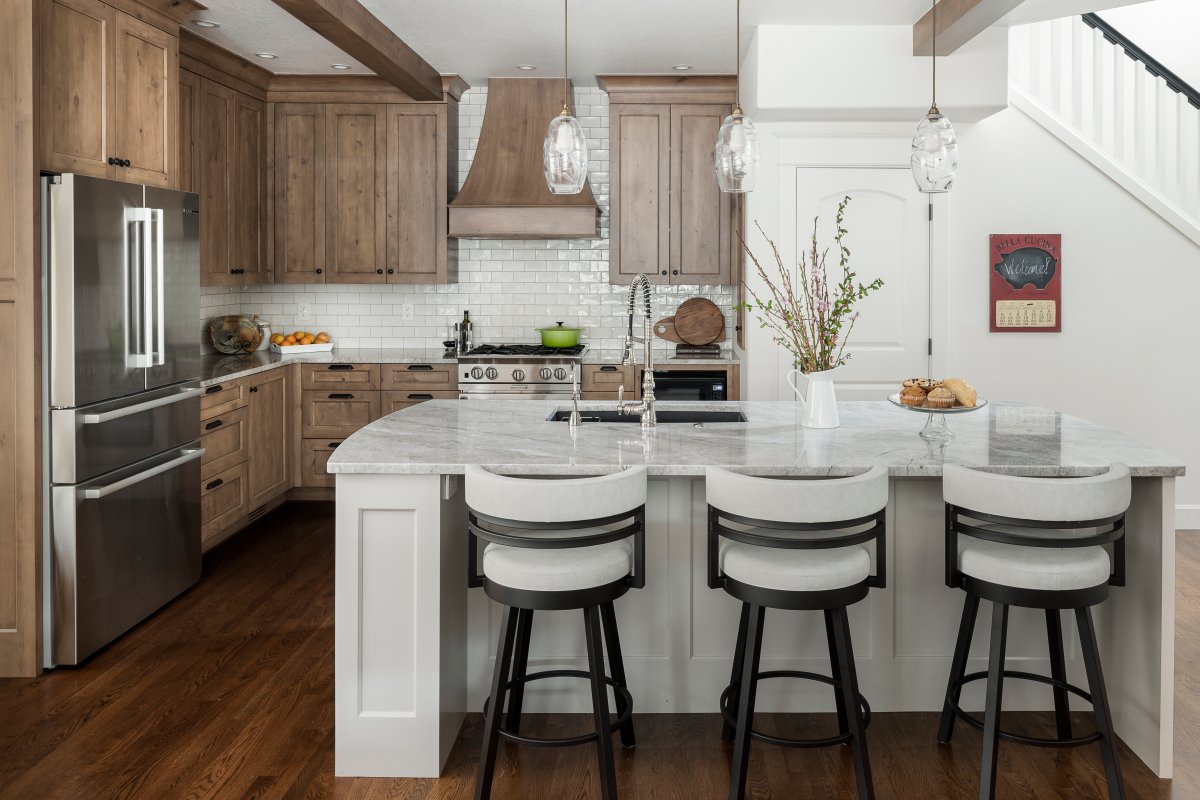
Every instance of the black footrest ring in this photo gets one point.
(567, 741)
(728, 713)
(1031, 741)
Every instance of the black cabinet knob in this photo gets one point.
(378, 272)
(126, 163)
(664, 272)
(112, 162)
(254, 389)
(319, 270)
(674, 272)
(391, 272)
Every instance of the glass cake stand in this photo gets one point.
(936, 426)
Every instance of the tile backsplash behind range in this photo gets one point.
(510, 287)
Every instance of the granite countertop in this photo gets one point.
(217, 367)
(441, 437)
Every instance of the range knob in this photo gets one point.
(477, 373)
(518, 375)
(492, 373)
(546, 373)
(560, 373)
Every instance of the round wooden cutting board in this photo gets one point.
(665, 329)
(700, 321)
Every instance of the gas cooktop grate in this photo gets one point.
(535, 350)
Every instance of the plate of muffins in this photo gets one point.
(945, 396)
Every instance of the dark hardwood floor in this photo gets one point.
(228, 693)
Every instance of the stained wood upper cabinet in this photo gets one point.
(299, 193)
(669, 218)
(417, 181)
(248, 182)
(110, 94)
(189, 132)
(356, 193)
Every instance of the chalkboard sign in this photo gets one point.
(1026, 282)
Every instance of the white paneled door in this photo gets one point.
(888, 224)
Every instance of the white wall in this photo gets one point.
(1166, 29)
(510, 287)
(1131, 282)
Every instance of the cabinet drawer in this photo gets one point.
(222, 502)
(394, 401)
(314, 455)
(606, 378)
(419, 377)
(339, 376)
(222, 397)
(337, 414)
(223, 438)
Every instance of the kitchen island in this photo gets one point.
(414, 646)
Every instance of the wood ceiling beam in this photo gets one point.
(350, 26)
(958, 22)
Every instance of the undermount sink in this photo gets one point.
(663, 416)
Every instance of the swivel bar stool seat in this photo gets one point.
(796, 545)
(556, 545)
(1036, 543)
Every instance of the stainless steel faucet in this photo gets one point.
(646, 407)
(575, 420)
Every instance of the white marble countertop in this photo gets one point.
(442, 436)
(217, 367)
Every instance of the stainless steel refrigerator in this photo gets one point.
(121, 366)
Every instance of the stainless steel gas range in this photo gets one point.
(518, 371)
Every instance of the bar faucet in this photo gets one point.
(646, 407)
(575, 420)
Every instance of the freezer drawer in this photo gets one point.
(90, 441)
(124, 545)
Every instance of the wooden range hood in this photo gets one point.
(505, 194)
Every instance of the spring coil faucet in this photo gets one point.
(646, 407)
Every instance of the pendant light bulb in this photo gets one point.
(934, 158)
(564, 152)
(735, 156)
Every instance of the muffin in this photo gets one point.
(912, 396)
(941, 397)
(921, 383)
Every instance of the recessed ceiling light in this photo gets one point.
(205, 23)
(526, 67)
(681, 67)
(265, 55)
(340, 66)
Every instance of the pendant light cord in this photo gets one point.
(737, 67)
(933, 108)
(566, 73)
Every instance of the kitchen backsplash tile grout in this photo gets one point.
(510, 287)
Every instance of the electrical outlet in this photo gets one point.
(303, 313)
(406, 311)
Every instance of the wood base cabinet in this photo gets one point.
(269, 410)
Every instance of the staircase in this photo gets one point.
(1117, 107)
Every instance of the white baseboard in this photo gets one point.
(1187, 518)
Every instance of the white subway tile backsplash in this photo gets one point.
(510, 287)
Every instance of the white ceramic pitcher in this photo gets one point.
(820, 402)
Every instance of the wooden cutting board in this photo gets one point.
(700, 321)
(665, 329)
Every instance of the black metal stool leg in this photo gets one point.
(516, 695)
(1058, 671)
(849, 689)
(747, 690)
(604, 745)
(735, 677)
(616, 668)
(995, 701)
(835, 667)
(491, 724)
(958, 667)
(1095, 675)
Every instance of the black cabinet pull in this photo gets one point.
(419, 367)
(254, 389)
(214, 389)
(420, 397)
(333, 445)
(213, 484)
(112, 162)
(216, 423)
(608, 369)
(391, 271)
(341, 367)
(319, 270)
(126, 163)
(341, 397)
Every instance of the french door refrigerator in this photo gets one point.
(121, 379)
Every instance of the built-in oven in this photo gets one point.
(677, 384)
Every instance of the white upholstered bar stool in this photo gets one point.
(555, 545)
(1036, 543)
(796, 545)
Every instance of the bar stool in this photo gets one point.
(556, 545)
(797, 545)
(1036, 543)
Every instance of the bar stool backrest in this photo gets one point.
(548, 500)
(1038, 499)
(798, 501)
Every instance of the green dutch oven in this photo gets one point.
(559, 336)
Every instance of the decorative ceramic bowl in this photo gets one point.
(234, 334)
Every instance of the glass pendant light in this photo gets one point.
(735, 156)
(934, 147)
(564, 153)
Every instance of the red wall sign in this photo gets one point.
(1025, 276)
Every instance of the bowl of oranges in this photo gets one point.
(300, 342)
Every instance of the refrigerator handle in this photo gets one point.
(158, 351)
(104, 491)
(138, 292)
(129, 411)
